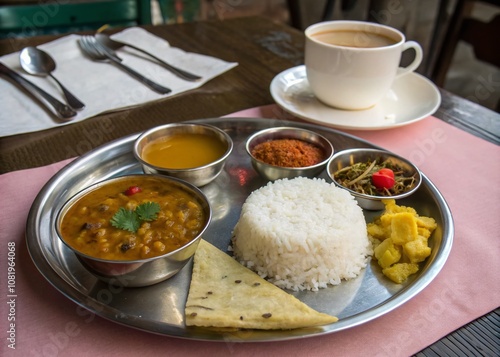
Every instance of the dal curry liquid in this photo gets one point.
(183, 151)
(86, 225)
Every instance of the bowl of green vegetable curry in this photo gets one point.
(372, 175)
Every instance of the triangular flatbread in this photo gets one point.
(224, 293)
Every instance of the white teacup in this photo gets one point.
(352, 64)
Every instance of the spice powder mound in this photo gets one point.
(288, 153)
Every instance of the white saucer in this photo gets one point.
(412, 98)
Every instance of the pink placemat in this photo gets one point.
(464, 168)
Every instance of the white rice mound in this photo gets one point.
(302, 234)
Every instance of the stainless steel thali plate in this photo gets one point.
(160, 308)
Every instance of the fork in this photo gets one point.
(112, 45)
(94, 51)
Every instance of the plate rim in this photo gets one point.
(275, 89)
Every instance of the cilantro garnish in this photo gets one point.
(148, 211)
(131, 220)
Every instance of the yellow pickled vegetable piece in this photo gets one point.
(403, 236)
(392, 207)
(424, 232)
(387, 253)
(417, 250)
(376, 231)
(426, 222)
(400, 272)
(403, 228)
(385, 220)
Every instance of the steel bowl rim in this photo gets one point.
(148, 132)
(73, 199)
(379, 151)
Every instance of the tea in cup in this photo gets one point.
(352, 64)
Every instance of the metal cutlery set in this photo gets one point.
(100, 48)
(62, 110)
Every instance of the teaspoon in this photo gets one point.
(40, 63)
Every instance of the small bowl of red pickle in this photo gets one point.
(195, 153)
(372, 175)
(288, 152)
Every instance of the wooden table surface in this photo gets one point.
(263, 49)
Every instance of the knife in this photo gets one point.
(62, 110)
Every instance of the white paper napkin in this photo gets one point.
(101, 86)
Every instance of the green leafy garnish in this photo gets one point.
(148, 211)
(131, 220)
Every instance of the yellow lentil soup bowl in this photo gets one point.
(135, 230)
(195, 153)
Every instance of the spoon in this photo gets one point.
(40, 63)
(62, 110)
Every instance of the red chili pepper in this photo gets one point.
(387, 172)
(132, 190)
(383, 179)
